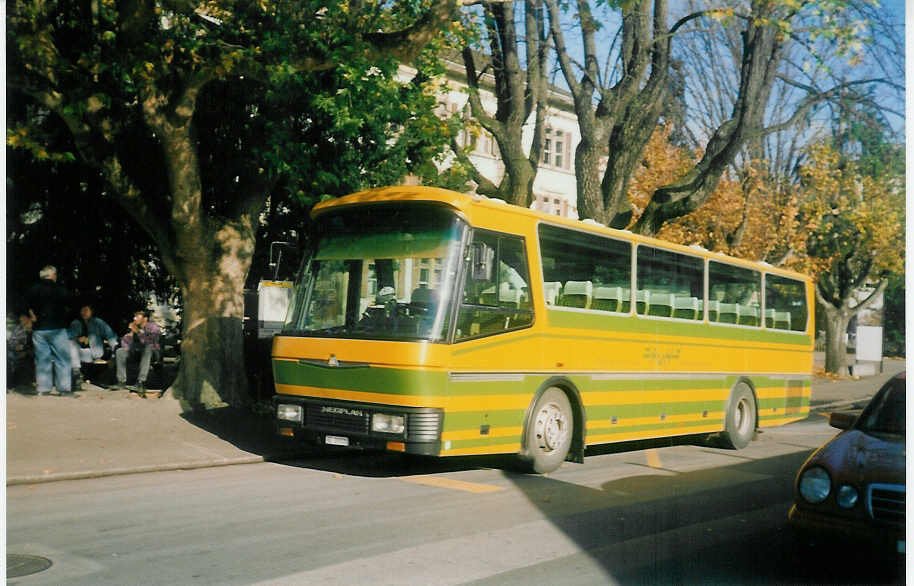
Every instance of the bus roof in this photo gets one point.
(465, 203)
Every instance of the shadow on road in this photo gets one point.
(255, 434)
(724, 525)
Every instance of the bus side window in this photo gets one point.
(584, 270)
(735, 293)
(785, 304)
(502, 301)
(670, 284)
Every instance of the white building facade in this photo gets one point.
(554, 189)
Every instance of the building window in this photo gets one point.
(557, 149)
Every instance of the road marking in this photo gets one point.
(653, 458)
(441, 482)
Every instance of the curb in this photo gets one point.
(193, 465)
(844, 403)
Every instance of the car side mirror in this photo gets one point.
(842, 419)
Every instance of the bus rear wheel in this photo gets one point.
(742, 416)
(549, 431)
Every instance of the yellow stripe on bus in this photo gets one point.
(480, 450)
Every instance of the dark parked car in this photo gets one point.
(853, 487)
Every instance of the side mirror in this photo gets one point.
(482, 259)
(842, 419)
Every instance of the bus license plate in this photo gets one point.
(335, 440)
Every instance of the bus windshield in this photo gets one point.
(380, 272)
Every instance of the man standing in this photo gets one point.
(47, 302)
(87, 336)
(140, 342)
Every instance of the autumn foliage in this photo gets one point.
(828, 214)
(736, 219)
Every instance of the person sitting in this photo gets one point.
(140, 343)
(19, 351)
(87, 337)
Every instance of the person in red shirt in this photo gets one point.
(141, 342)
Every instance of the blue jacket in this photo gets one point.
(98, 331)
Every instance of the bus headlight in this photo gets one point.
(386, 423)
(815, 484)
(289, 413)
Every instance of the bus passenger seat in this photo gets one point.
(487, 297)
(685, 307)
(577, 294)
(782, 320)
(607, 298)
(749, 315)
(552, 291)
(729, 313)
(713, 310)
(642, 300)
(661, 304)
(508, 296)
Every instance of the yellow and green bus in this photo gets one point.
(431, 322)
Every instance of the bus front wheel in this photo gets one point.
(549, 431)
(741, 418)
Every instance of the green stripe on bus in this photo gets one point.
(434, 383)
(392, 381)
(463, 420)
(631, 324)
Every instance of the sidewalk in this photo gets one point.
(104, 433)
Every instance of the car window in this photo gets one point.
(886, 414)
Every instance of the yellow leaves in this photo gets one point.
(849, 215)
(95, 103)
(21, 138)
(721, 14)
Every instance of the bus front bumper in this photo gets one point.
(413, 430)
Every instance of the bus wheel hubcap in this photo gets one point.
(742, 416)
(551, 428)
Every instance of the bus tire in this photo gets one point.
(742, 415)
(549, 432)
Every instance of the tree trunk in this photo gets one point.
(587, 175)
(210, 257)
(517, 185)
(836, 322)
(212, 371)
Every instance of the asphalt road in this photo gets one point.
(655, 513)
